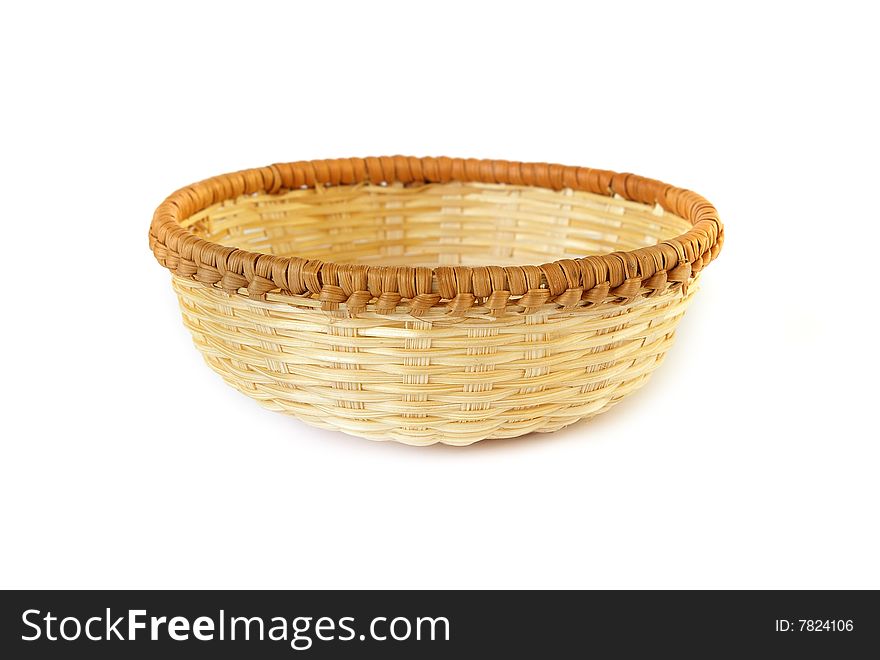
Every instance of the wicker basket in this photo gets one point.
(353, 294)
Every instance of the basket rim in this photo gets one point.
(617, 275)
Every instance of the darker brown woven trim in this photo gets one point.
(568, 282)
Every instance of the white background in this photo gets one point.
(751, 458)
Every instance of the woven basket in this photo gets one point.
(354, 294)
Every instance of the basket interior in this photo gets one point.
(435, 224)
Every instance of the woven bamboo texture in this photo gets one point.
(353, 294)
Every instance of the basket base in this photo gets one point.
(410, 437)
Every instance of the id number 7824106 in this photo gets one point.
(814, 625)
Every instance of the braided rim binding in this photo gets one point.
(619, 276)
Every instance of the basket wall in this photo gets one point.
(441, 378)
